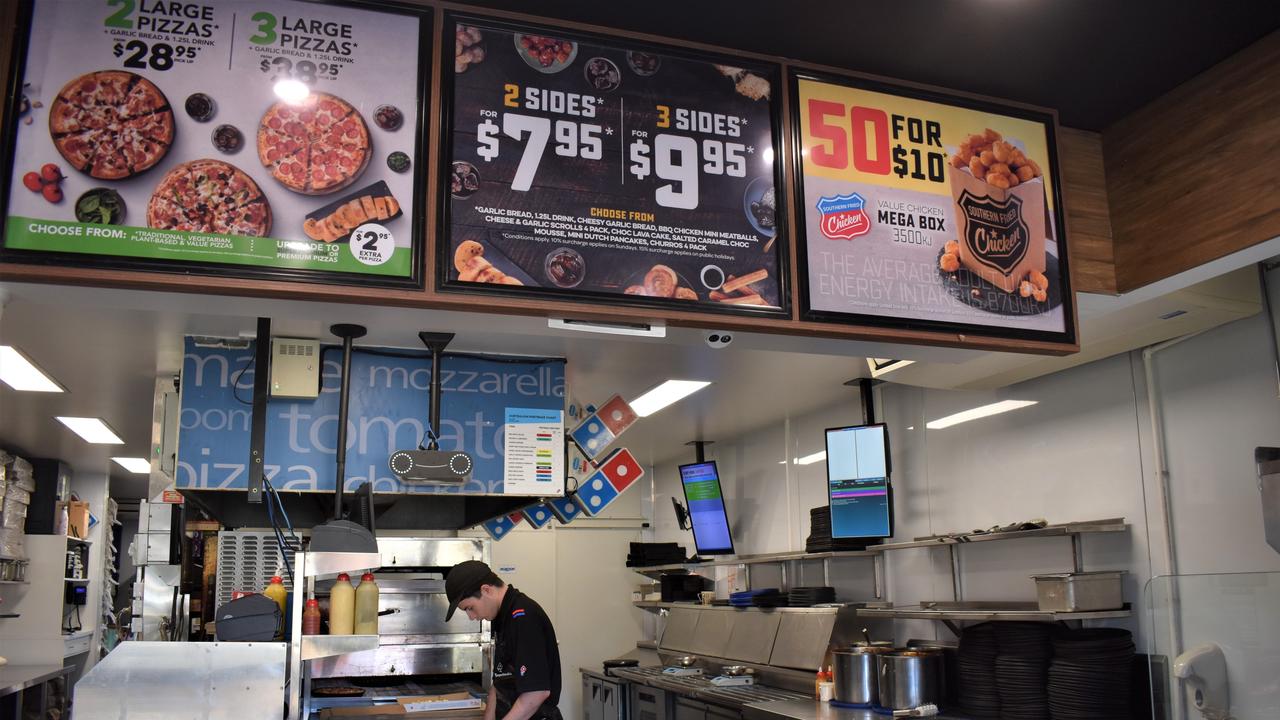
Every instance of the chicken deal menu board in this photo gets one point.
(278, 137)
(929, 211)
(595, 168)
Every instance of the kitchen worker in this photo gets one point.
(526, 659)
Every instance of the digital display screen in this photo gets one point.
(701, 483)
(858, 482)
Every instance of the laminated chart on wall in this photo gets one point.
(389, 411)
(534, 456)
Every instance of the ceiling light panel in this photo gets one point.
(1003, 406)
(669, 392)
(93, 430)
(21, 374)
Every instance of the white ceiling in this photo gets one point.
(108, 347)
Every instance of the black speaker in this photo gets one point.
(431, 466)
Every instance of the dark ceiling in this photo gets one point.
(1095, 61)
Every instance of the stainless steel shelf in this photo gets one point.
(979, 612)
(331, 563)
(319, 646)
(656, 605)
(67, 579)
(14, 582)
(757, 560)
(1110, 525)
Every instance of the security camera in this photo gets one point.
(717, 339)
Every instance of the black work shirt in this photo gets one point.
(526, 657)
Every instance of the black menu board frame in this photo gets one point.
(444, 259)
(1064, 294)
(415, 125)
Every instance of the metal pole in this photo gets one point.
(348, 333)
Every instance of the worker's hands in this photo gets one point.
(491, 705)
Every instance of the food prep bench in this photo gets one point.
(814, 710)
(17, 680)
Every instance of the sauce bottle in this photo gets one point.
(277, 592)
(342, 606)
(367, 606)
(311, 618)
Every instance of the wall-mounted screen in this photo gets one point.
(701, 483)
(858, 482)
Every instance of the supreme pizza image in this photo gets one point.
(111, 124)
(314, 147)
(209, 196)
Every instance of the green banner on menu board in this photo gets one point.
(270, 138)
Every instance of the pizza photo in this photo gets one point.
(111, 124)
(209, 196)
(316, 146)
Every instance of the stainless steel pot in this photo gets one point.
(910, 678)
(855, 670)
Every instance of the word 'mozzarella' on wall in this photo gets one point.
(389, 410)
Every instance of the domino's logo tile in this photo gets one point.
(617, 415)
(595, 494)
(622, 469)
(565, 509)
(592, 436)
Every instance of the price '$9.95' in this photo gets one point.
(680, 159)
(676, 160)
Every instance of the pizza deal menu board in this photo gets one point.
(267, 137)
(929, 211)
(590, 168)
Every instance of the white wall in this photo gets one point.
(1084, 452)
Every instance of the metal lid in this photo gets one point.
(864, 650)
(1068, 575)
(916, 652)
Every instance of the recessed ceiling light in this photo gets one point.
(93, 430)
(979, 412)
(20, 373)
(138, 466)
(668, 392)
(811, 459)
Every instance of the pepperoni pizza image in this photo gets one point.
(111, 124)
(209, 196)
(314, 147)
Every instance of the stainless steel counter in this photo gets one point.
(15, 678)
(700, 687)
(814, 710)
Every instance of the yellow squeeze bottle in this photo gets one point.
(367, 606)
(276, 591)
(342, 606)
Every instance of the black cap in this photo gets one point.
(463, 580)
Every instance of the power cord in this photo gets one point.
(235, 383)
(285, 549)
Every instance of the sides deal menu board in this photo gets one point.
(929, 211)
(259, 137)
(584, 167)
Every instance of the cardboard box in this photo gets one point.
(1001, 232)
(77, 518)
